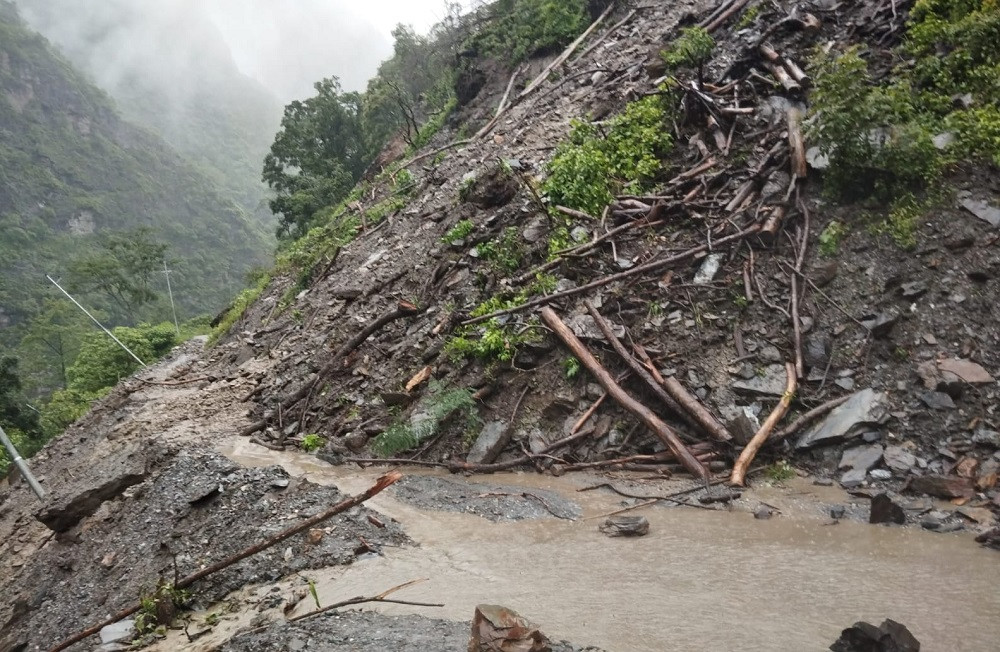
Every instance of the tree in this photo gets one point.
(14, 412)
(51, 342)
(102, 363)
(317, 155)
(121, 269)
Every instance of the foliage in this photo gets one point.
(312, 442)
(589, 168)
(513, 30)
(243, 300)
(122, 268)
(903, 220)
(440, 406)
(18, 421)
(749, 16)
(460, 231)
(154, 608)
(503, 253)
(571, 367)
(779, 472)
(829, 238)
(692, 49)
(879, 137)
(102, 363)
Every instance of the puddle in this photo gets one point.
(699, 581)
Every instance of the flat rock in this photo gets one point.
(969, 371)
(861, 457)
(881, 324)
(769, 383)
(866, 407)
(853, 478)
(880, 474)
(982, 210)
(980, 515)
(583, 326)
(884, 510)
(490, 443)
(496, 628)
(625, 526)
(890, 636)
(941, 486)
(937, 400)
(899, 459)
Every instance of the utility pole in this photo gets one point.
(21, 465)
(170, 293)
(94, 319)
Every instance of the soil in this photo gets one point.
(123, 478)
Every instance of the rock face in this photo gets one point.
(866, 407)
(890, 636)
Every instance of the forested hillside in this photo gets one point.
(169, 70)
(91, 199)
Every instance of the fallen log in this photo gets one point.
(738, 476)
(686, 400)
(797, 144)
(605, 379)
(344, 505)
(651, 266)
(724, 13)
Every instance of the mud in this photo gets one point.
(494, 502)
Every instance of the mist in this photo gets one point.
(179, 44)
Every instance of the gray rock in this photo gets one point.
(984, 437)
(123, 630)
(709, 268)
(625, 526)
(899, 459)
(866, 407)
(770, 383)
(913, 289)
(823, 482)
(491, 441)
(853, 478)
(881, 324)
(884, 510)
(845, 383)
(763, 513)
(838, 511)
(982, 210)
(937, 400)
(880, 474)
(816, 351)
(890, 636)
(861, 457)
(583, 326)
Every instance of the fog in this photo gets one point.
(285, 45)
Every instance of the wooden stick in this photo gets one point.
(602, 376)
(542, 76)
(651, 266)
(773, 222)
(686, 400)
(809, 417)
(726, 15)
(589, 413)
(344, 505)
(381, 597)
(750, 451)
(611, 30)
(525, 459)
(797, 144)
(609, 334)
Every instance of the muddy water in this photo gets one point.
(699, 581)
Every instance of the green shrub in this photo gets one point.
(517, 29)
(440, 406)
(312, 442)
(690, 50)
(459, 232)
(829, 238)
(504, 253)
(101, 363)
(591, 167)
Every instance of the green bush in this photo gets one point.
(690, 50)
(441, 405)
(593, 165)
(101, 363)
(517, 29)
(459, 232)
(504, 253)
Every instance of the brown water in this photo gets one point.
(699, 581)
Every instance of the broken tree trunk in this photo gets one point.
(746, 456)
(602, 376)
(796, 143)
(344, 505)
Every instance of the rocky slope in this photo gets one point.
(908, 335)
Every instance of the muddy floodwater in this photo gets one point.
(699, 581)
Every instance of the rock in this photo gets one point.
(899, 459)
(583, 326)
(816, 159)
(884, 510)
(499, 629)
(913, 289)
(491, 441)
(823, 482)
(890, 636)
(881, 324)
(123, 630)
(937, 400)
(853, 478)
(837, 512)
(496, 186)
(816, 351)
(980, 515)
(709, 268)
(770, 383)
(863, 408)
(880, 474)
(990, 539)
(68, 505)
(625, 526)
(984, 437)
(861, 457)
(982, 210)
(969, 371)
(763, 513)
(941, 486)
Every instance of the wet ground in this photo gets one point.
(700, 580)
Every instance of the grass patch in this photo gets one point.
(441, 406)
(460, 231)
